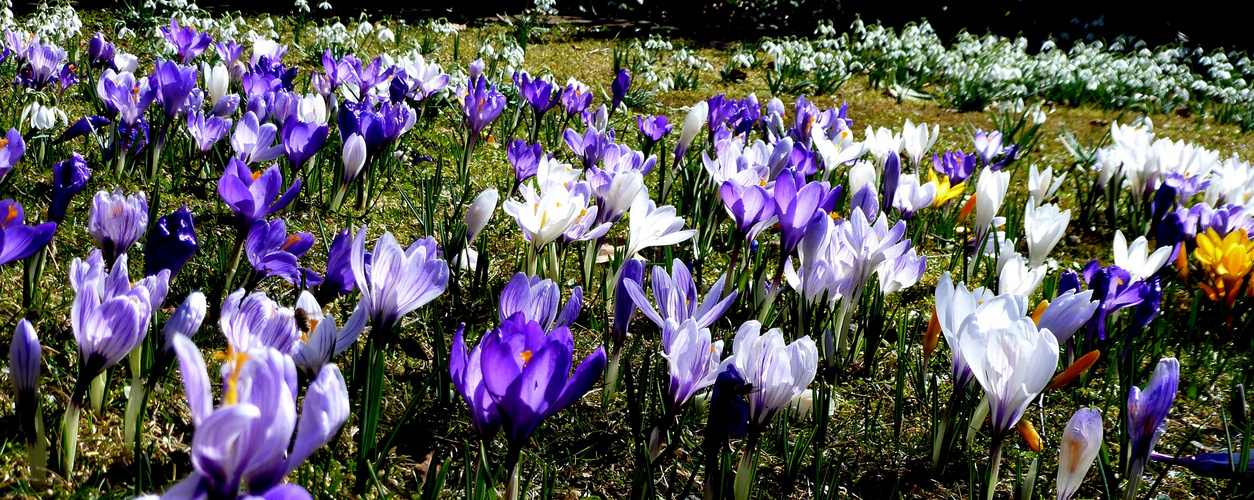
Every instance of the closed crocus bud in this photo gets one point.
(480, 212)
(24, 359)
(354, 157)
(696, 118)
(861, 174)
(1044, 226)
(186, 319)
(217, 81)
(126, 63)
(990, 192)
(1081, 441)
(312, 109)
(117, 221)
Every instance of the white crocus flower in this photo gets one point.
(653, 226)
(693, 123)
(990, 192)
(1011, 359)
(1043, 185)
(1044, 227)
(881, 142)
(546, 213)
(1137, 259)
(917, 141)
(1017, 278)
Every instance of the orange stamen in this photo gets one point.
(1029, 434)
(526, 356)
(1074, 370)
(932, 337)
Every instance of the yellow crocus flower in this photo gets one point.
(944, 192)
(1226, 260)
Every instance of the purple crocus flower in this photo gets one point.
(591, 146)
(69, 177)
(397, 280)
(624, 304)
(117, 221)
(537, 300)
(253, 321)
(987, 145)
(751, 206)
(526, 392)
(1186, 185)
(254, 195)
(172, 243)
(85, 125)
(100, 52)
(1213, 465)
(575, 98)
(174, 84)
(1113, 288)
(363, 120)
(956, 166)
(12, 147)
(273, 253)
(207, 131)
(253, 142)
(253, 439)
(187, 41)
(43, 66)
(538, 93)
(302, 140)
(110, 316)
(467, 378)
(677, 299)
(796, 202)
(1147, 414)
(618, 89)
(525, 158)
(692, 360)
(327, 339)
(481, 104)
(653, 128)
(339, 280)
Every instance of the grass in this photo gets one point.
(587, 450)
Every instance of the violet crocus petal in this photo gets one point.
(642, 302)
(537, 302)
(213, 443)
(710, 310)
(624, 306)
(1148, 408)
(196, 384)
(352, 328)
(570, 311)
(20, 241)
(289, 491)
(325, 409)
(467, 375)
(25, 357)
(586, 375)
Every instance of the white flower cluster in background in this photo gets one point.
(55, 22)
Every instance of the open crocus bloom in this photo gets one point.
(1011, 359)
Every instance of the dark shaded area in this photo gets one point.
(1201, 24)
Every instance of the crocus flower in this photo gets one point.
(912, 196)
(591, 146)
(1213, 465)
(339, 279)
(954, 304)
(321, 338)
(653, 226)
(271, 252)
(537, 92)
(576, 97)
(653, 128)
(85, 125)
(1042, 185)
(1016, 277)
(99, 52)
(254, 439)
(302, 140)
(537, 300)
(692, 360)
(354, 156)
(525, 158)
(990, 192)
(987, 145)
(17, 240)
(1136, 259)
(207, 131)
(1081, 443)
(545, 215)
(254, 321)
(397, 281)
(174, 84)
(467, 375)
(777, 372)
(692, 125)
(480, 212)
(677, 299)
(43, 62)
(1044, 227)
(25, 358)
(12, 147)
(526, 393)
(254, 195)
(880, 143)
(618, 89)
(117, 221)
(1012, 360)
(1147, 415)
(751, 206)
(187, 41)
(172, 243)
(481, 104)
(254, 142)
(1226, 260)
(796, 202)
(917, 141)
(1067, 313)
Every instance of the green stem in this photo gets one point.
(994, 465)
(513, 465)
(748, 461)
(1134, 479)
(96, 392)
(69, 444)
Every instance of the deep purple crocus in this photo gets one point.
(272, 252)
(481, 104)
(254, 195)
(575, 98)
(591, 146)
(956, 166)
(525, 158)
(171, 243)
(618, 89)
(468, 380)
(85, 125)
(537, 92)
(12, 147)
(750, 206)
(677, 299)
(1212, 465)
(339, 280)
(17, 240)
(69, 177)
(100, 52)
(174, 84)
(624, 305)
(207, 130)
(527, 374)
(1147, 414)
(302, 140)
(654, 128)
(187, 41)
(117, 221)
(796, 202)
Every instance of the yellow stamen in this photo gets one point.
(290, 240)
(9, 217)
(526, 356)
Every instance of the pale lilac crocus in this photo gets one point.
(254, 321)
(1147, 416)
(677, 299)
(537, 300)
(325, 338)
(397, 280)
(253, 142)
(117, 221)
(207, 130)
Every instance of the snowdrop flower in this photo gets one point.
(652, 226)
(917, 141)
(1042, 185)
(386, 36)
(1137, 260)
(1043, 228)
